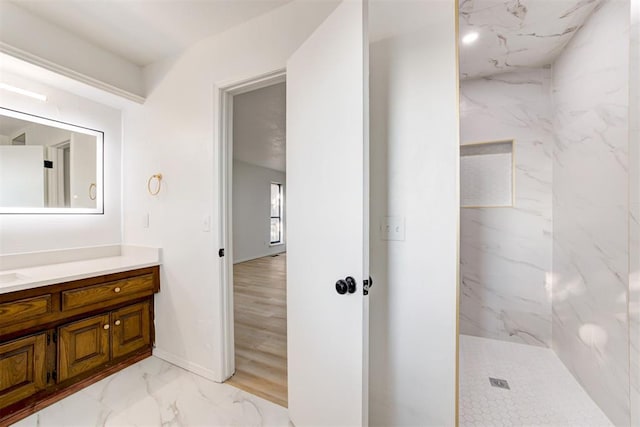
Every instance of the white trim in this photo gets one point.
(67, 72)
(185, 364)
(224, 94)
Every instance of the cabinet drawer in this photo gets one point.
(106, 292)
(24, 309)
(22, 368)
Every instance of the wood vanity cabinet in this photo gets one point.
(57, 339)
(22, 368)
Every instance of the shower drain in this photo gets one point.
(497, 382)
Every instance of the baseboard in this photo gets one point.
(238, 261)
(186, 364)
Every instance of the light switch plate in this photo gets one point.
(392, 228)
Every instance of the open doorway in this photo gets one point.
(257, 253)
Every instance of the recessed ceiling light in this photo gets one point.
(470, 38)
(24, 92)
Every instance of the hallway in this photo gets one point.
(260, 320)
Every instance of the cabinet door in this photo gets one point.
(22, 368)
(131, 329)
(82, 346)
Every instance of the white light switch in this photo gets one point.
(206, 223)
(145, 220)
(392, 228)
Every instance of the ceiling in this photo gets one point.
(145, 31)
(10, 125)
(514, 34)
(259, 127)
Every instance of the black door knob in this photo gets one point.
(351, 284)
(341, 287)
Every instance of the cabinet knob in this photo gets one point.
(116, 290)
(106, 326)
(117, 323)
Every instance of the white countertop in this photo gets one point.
(131, 258)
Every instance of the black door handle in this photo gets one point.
(346, 285)
(351, 284)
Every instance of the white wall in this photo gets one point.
(83, 169)
(505, 253)
(591, 208)
(22, 176)
(31, 38)
(414, 174)
(37, 134)
(252, 211)
(175, 133)
(24, 233)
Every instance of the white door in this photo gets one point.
(327, 229)
(22, 176)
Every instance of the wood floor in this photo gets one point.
(260, 313)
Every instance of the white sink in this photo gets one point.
(11, 277)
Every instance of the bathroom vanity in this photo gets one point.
(65, 326)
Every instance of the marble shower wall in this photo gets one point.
(591, 208)
(634, 213)
(505, 253)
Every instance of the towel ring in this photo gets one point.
(92, 191)
(157, 176)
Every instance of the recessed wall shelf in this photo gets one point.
(487, 174)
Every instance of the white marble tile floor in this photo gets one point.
(156, 393)
(542, 390)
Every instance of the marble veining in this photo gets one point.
(506, 252)
(156, 393)
(517, 34)
(591, 208)
(634, 212)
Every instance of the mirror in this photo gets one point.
(48, 166)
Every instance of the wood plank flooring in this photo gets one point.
(260, 311)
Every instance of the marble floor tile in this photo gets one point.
(156, 393)
(542, 390)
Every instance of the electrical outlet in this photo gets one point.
(392, 228)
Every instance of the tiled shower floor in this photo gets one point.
(543, 392)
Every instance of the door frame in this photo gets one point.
(225, 94)
(55, 178)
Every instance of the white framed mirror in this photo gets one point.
(47, 166)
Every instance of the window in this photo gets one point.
(276, 213)
(487, 174)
